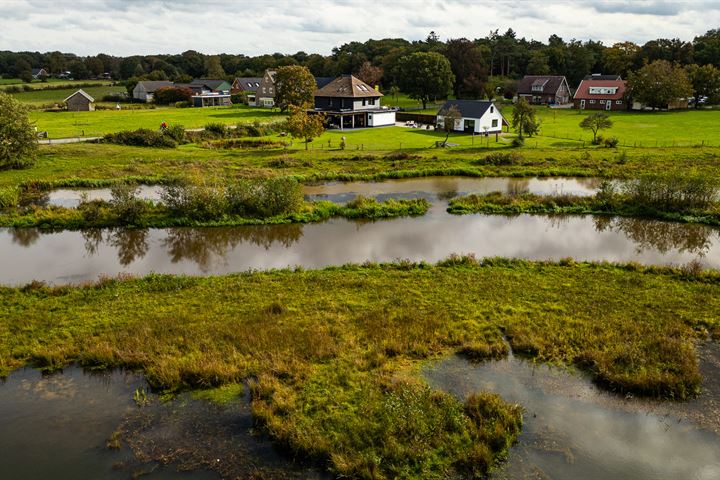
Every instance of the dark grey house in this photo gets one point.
(80, 101)
(348, 102)
(544, 89)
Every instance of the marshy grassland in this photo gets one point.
(332, 356)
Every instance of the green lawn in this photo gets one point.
(403, 101)
(97, 123)
(642, 129)
(50, 96)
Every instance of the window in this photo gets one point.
(592, 101)
(264, 90)
(618, 102)
(364, 102)
(492, 110)
(494, 123)
(602, 102)
(371, 101)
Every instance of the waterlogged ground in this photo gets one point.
(59, 427)
(574, 430)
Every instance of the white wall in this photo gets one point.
(485, 121)
(381, 119)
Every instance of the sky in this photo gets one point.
(128, 27)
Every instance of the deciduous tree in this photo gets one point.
(658, 84)
(596, 122)
(523, 119)
(18, 139)
(370, 74)
(450, 118)
(425, 76)
(705, 82)
(301, 124)
(294, 85)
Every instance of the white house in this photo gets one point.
(145, 89)
(477, 116)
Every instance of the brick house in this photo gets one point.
(544, 89)
(597, 94)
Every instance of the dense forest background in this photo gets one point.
(472, 61)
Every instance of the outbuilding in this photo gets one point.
(80, 102)
(477, 116)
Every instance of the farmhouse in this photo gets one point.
(145, 89)
(348, 102)
(544, 89)
(80, 102)
(600, 94)
(39, 73)
(477, 116)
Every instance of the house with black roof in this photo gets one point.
(476, 116)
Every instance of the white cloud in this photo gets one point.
(124, 27)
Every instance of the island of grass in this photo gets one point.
(333, 356)
(193, 203)
(671, 196)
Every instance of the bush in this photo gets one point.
(673, 191)
(142, 137)
(9, 197)
(500, 158)
(170, 95)
(176, 132)
(518, 142)
(217, 129)
(237, 98)
(124, 201)
(195, 199)
(264, 198)
(183, 104)
(611, 142)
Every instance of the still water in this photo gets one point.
(572, 429)
(58, 427)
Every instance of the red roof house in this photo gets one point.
(593, 94)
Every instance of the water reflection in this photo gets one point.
(661, 236)
(573, 430)
(71, 256)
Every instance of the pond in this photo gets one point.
(78, 425)
(76, 256)
(572, 429)
(431, 188)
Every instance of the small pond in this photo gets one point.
(574, 430)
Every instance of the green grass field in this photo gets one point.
(403, 101)
(98, 123)
(51, 96)
(51, 82)
(642, 129)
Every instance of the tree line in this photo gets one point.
(495, 55)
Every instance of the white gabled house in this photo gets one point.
(477, 116)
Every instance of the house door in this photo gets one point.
(608, 104)
(469, 126)
(582, 104)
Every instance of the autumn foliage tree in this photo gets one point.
(301, 124)
(370, 74)
(294, 85)
(170, 95)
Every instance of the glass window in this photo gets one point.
(619, 102)
(494, 123)
(492, 109)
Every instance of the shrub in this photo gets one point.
(216, 129)
(124, 201)
(518, 142)
(237, 98)
(170, 95)
(142, 137)
(673, 191)
(500, 158)
(9, 197)
(183, 104)
(611, 142)
(176, 132)
(18, 140)
(195, 199)
(264, 198)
